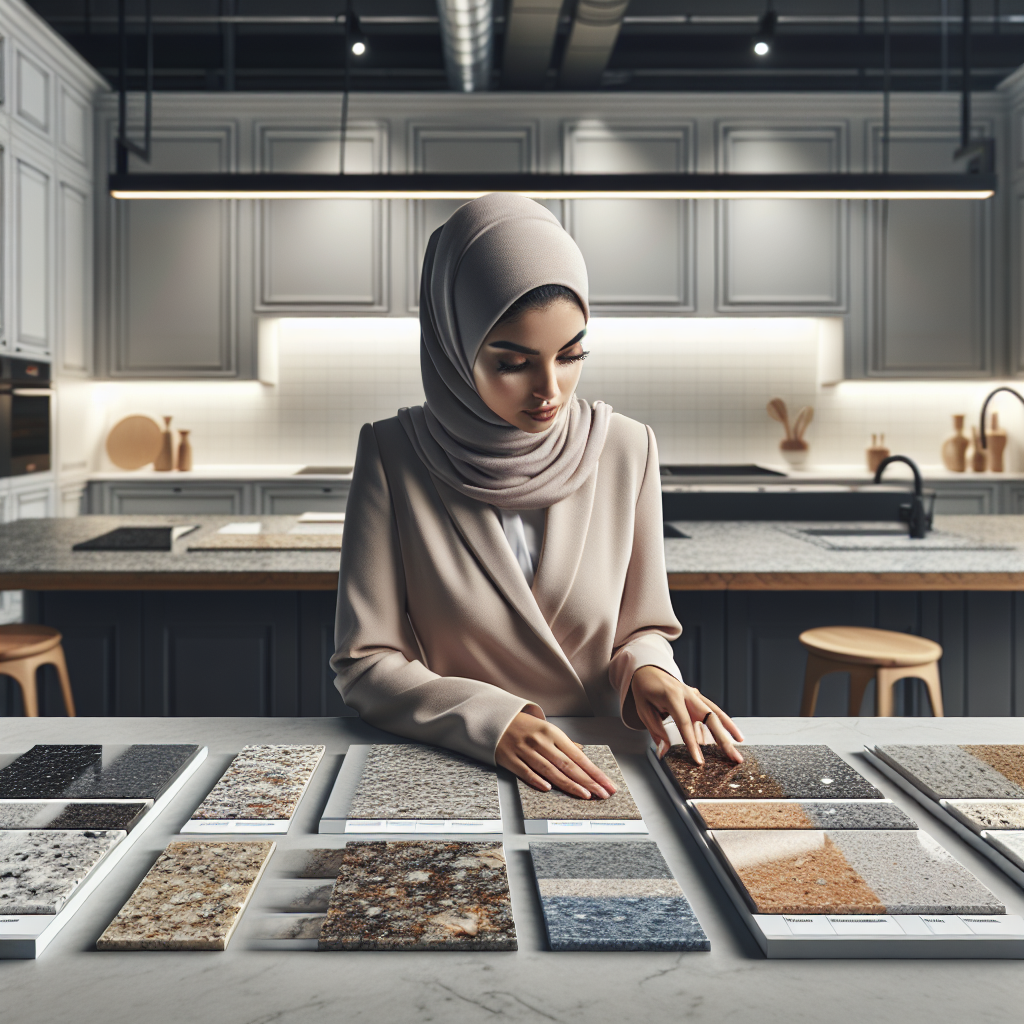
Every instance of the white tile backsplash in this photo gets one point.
(702, 384)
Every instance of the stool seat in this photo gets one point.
(22, 640)
(861, 645)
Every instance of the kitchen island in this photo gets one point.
(732, 982)
(222, 632)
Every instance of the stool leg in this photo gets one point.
(886, 679)
(860, 677)
(24, 674)
(58, 662)
(817, 667)
(929, 675)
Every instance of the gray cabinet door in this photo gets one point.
(966, 499)
(929, 292)
(639, 252)
(184, 499)
(32, 264)
(292, 499)
(782, 254)
(174, 274)
(74, 279)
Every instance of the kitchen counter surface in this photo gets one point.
(732, 982)
(35, 554)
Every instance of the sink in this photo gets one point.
(324, 471)
(884, 537)
(853, 531)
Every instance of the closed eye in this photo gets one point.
(574, 359)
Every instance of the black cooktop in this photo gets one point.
(724, 469)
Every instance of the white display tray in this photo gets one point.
(24, 937)
(591, 827)
(853, 937)
(335, 819)
(938, 809)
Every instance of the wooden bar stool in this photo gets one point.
(24, 649)
(868, 654)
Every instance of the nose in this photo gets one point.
(546, 388)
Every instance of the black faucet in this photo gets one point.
(984, 408)
(913, 514)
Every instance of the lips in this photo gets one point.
(542, 415)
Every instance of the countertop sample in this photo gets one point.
(263, 783)
(732, 982)
(39, 870)
(612, 896)
(1009, 844)
(409, 780)
(852, 872)
(35, 554)
(960, 772)
(191, 898)
(775, 771)
(987, 814)
(558, 805)
(421, 895)
(809, 814)
(24, 814)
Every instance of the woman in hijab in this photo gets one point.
(503, 556)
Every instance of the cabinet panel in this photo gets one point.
(74, 120)
(776, 254)
(141, 499)
(33, 502)
(318, 694)
(293, 500)
(700, 651)
(32, 260)
(321, 253)
(175, 274)
(1012, 499)
(929, 293)
(639, 252)
(33, 83)
(74, 308)
(982, 499)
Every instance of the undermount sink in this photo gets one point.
(883, 537)
(853, 531)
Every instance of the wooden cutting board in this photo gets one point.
(134, 442)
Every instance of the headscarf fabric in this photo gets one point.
(490, 253)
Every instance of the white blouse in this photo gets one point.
(525, 534)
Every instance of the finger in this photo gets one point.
(587, 766)
(522, 770)
(564, 761)
(723, 739)
(655, 725)
(543, 767)
(726, 721)
(704, 733)
(681, 716)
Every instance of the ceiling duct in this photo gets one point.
(530, 30)
(467, 30)
(591, 41)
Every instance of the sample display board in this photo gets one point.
(68, 814)
(409, 788)
(259, 792)
(867, 885)
(557, 813)
(975, 789)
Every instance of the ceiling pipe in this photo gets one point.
(530, 30)
(592, 38)
(467, 32)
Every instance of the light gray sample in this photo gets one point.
(948, 771)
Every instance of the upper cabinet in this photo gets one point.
(33, 91)
(778, 255)
(32, 263)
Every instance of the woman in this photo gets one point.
(503, 556)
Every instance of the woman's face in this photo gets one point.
(527, 370)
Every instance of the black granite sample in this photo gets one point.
(46, 770)
(143, 771)
(71, 816)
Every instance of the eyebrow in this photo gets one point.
(511, 346)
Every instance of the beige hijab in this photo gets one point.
(491, 252)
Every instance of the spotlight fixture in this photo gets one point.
(358, 43)
(765, 36)
(358, 47)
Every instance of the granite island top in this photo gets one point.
(35, 554)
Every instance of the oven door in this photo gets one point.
(29, 430)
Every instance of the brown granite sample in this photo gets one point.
(1006, 758)
(558, 805)
(192, 897)
(718, 776)
(869, 815)
(425, 895)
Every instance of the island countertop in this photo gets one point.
(36, 555)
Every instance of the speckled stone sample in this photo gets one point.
(1006, 758)
(1010, 845)
(321, 863)
(985, 814)
(410, 780)
(263, 783)
(816, 814)
(39, 870)
(768, 771)
(429, 895)
(612, 896)
(192, 897)
(948, 771)
(142, 772)
(851, 872)
(72, 815)
(555, 804)
(290, 926)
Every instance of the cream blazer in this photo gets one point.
(439, 637)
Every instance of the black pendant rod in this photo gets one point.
(125, 146)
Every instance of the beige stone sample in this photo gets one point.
(557, 805)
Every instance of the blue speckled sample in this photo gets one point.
(612, 896)
(30, 815)
(946, 771)
(54, 772)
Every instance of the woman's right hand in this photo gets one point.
(542, 756)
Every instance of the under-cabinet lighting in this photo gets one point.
(553, 186)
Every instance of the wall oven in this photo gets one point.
(24, 416)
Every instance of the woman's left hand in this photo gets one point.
(657, 693)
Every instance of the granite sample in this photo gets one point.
(40, 869)
(413, 781)
(290, 926)
(953, 772)
(815, 814)
(555, 804)
(1006, 758)
(851, 872)
(91, 816)
(987, 814)
(321, 863)
(90, 772)
(768, 771)
(192, 897)
(612, 896)
(427, 895)
(263, 783)
(1009, 844)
